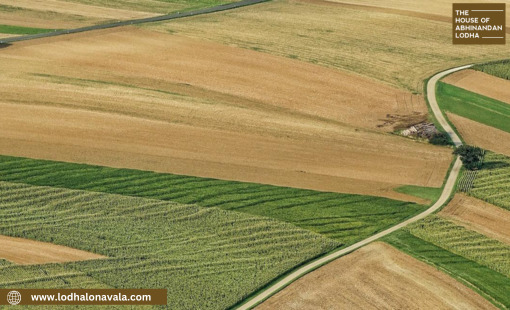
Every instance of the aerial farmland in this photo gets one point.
(227, 154)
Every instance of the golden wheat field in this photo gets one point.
(200, 108)
(393, 48)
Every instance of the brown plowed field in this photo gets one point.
(487, 137)
(29, 252)
(154, 101)
(478, 215)
(481, 83)
(377, 276)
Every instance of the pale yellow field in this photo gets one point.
(376, 276)
(484, 136)
(481, 83)
(58, 14)
(439, 7)
(161, 102)
(393, 48)
(480, 216)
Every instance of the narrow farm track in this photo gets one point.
(447, 191)
(177, 15)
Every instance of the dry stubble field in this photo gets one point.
(393, 48)
(29, 252)
(436, 7)
(376, 276)
(484, 136)
(480, 216)
(58, 14)
(200, 108)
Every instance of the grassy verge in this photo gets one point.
(207, 258)
(22, 30)
(344, 217)
(428, 193)
(485, 281)
(473, 106)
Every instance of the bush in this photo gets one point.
(440, 138)
(471, 156)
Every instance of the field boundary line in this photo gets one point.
(214, 9)
(448, 189)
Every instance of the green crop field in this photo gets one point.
(492, 182)
(22, 30)
(489, 283)
(346, 218)
(461, 241)
(497, 68)
(207, 258)
(476, 107)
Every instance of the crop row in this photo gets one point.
(207, 258)
(492, 183)
(499, 68)
(347, 218)
(467, 243)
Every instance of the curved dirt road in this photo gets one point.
(448, 188)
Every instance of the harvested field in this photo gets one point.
(339, 37)
(436, 7)
(374, 277)
(29, 252)
(208, 110)
(480, 216)
(481, 83)
(78, 13)
(487, 137)
(71, 8)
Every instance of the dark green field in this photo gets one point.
(346, 218)
(476, 107)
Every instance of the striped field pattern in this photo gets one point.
(461, 241)
(207, 258)
(492, 182)
(346, 218)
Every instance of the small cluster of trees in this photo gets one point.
(471, 156)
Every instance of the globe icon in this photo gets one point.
(13, 297)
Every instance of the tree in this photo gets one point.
(440, 138)
(471, 156)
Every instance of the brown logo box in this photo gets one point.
(83, 296)
(479, 23)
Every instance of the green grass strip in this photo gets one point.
(22, 30)
(473, 106)
(428, 193)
